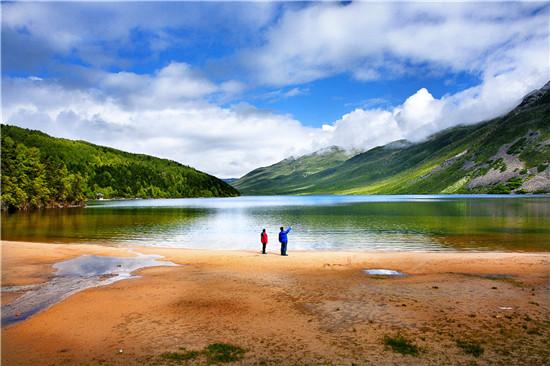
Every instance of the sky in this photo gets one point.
(227, 87)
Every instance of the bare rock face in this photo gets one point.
(539, 183)
(447, 163)
(495, 175)
(533, 98)
(506, 154)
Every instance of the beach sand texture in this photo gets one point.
(310, 308)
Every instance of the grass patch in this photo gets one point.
(401, 345)
(223, 352)
(499, 165)
(471, 347)
(517, 147)
(505, 188)
(499, 189)
(180, 356)
(514, 183)
(214, 353)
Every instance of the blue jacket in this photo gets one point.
(282, 235)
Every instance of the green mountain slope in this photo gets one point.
(43, 171)
(280, 177)
(507, 154)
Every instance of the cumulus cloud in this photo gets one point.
(421, 111)
(172, 84)
(101, 33)
(422, 115)
(371, 40)
(505, 44)
(178, 112)
(230, 141)
(227, 142)
(362, 129)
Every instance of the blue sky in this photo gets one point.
(324, 101)
(227, 87)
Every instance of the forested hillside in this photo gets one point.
(43, 171)
(509, 154)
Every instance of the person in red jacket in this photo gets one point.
(263, 239)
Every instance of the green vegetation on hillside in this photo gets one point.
(504, 155)
(42, 171)
(288, 171)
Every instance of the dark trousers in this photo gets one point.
(263, 248)
(283, 248)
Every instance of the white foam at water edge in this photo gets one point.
(383, 272)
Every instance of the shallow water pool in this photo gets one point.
(72, 276)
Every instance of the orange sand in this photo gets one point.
(308, 308)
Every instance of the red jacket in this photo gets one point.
(263, 238)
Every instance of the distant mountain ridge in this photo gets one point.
(508, 154)
(39, 170)
(289, 171)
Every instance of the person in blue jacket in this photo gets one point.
(283, 239)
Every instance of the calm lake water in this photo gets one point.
(408, 222)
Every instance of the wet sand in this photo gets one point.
(308, 308)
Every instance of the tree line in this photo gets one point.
(39, 171)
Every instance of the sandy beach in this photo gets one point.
(309, 308)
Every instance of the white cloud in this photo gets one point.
(232, 87)
(362, 129)
(419, 112)
(294, 92)
(227, 142)
(134, 113)
(366, 74)
(175, 83)
(96, 32)
(279, 94)
(173, 112)
(371, 40)
(505, 44)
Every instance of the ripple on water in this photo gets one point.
(72, 276)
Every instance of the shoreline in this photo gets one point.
(311, 307)
(275, 249)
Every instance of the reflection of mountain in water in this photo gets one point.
(106, 224)
(320, 222)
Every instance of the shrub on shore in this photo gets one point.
(401, 345)
(471, 347)
(214, 353)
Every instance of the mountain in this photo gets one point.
(508, 154)
(282, 177)
(43, 171)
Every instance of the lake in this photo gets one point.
(378, 222)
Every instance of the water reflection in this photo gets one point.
(383, 272)
(319, 222)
